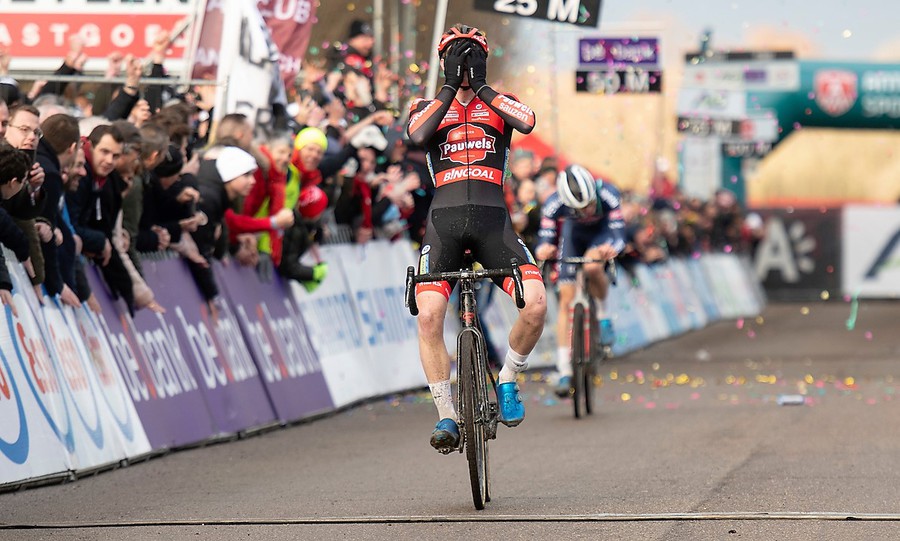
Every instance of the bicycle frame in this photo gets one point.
(478, 414)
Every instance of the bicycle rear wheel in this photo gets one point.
(474, 400)
(578, 358)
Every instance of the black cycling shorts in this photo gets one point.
(485, 230)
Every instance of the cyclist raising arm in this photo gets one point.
(592, 226)
(466, 131)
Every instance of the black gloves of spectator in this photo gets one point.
(454, 61)
(477, 66)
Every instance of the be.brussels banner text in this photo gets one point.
(578, 12)
(273, 329)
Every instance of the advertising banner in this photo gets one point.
(64, 412)
(36, 434)
(290, 23)
(626, 317)
(618, 52)
(799, 256)
(211, 346)
(276, 336)
(579, 12)
(870, 258)
(37, 32)
(335, 331)
(162, 386)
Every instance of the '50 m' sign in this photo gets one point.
(580, 12)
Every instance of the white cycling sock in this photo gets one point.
(442, 394)
(514, 363)
(601, 308)
(564, 361)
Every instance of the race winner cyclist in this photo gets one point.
(592, 226)
(466, 130)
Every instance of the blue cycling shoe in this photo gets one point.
(512, 410)
(446, 435)
(563, 386)
(607, 333)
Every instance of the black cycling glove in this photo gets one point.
(454, 61)
(477, 66)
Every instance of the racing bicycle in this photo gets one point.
(587, 350)
(478, 411)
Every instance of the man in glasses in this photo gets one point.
(24, 132)
(593, 227)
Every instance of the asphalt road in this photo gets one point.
(689, 443)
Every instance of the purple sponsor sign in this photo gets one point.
(212, 348)
(618, 52)
(164, 391)
(274, 330)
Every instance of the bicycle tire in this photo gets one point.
(578, 364)
(473, 398)
(482, 375)
(595, 355)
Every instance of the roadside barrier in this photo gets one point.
(81, 392)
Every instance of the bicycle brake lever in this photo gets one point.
(517, 281)
(411, 292)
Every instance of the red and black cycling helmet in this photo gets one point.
(461, 31)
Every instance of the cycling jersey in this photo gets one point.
(467, 151)
(467, 146)
(580, 233)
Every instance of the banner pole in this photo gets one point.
(440, 19)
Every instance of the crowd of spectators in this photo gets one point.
(99, 173)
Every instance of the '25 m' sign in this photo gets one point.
(580, 12)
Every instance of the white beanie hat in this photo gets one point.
(233, 162)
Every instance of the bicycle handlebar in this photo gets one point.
(609, 265)
(463, 274)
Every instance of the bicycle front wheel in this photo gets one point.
(578, 359)
(473, 393)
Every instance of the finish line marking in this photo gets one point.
(600, 517)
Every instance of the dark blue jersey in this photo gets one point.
(607, 218)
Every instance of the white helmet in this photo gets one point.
(576, 187)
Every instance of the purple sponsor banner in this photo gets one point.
(164, 391)
(274, 330)
(211, 347)
(618, 52)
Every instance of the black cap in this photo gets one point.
(172, 163)
(9, 90)
(360, 28)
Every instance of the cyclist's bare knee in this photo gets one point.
(535, 309)
(432, 308)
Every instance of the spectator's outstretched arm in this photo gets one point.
(153, 95)
(120, 107)
(93, 241)
(72, 65)
(332, 164)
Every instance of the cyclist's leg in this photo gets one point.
(440, 252)
(601, 248)
(495, 247)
